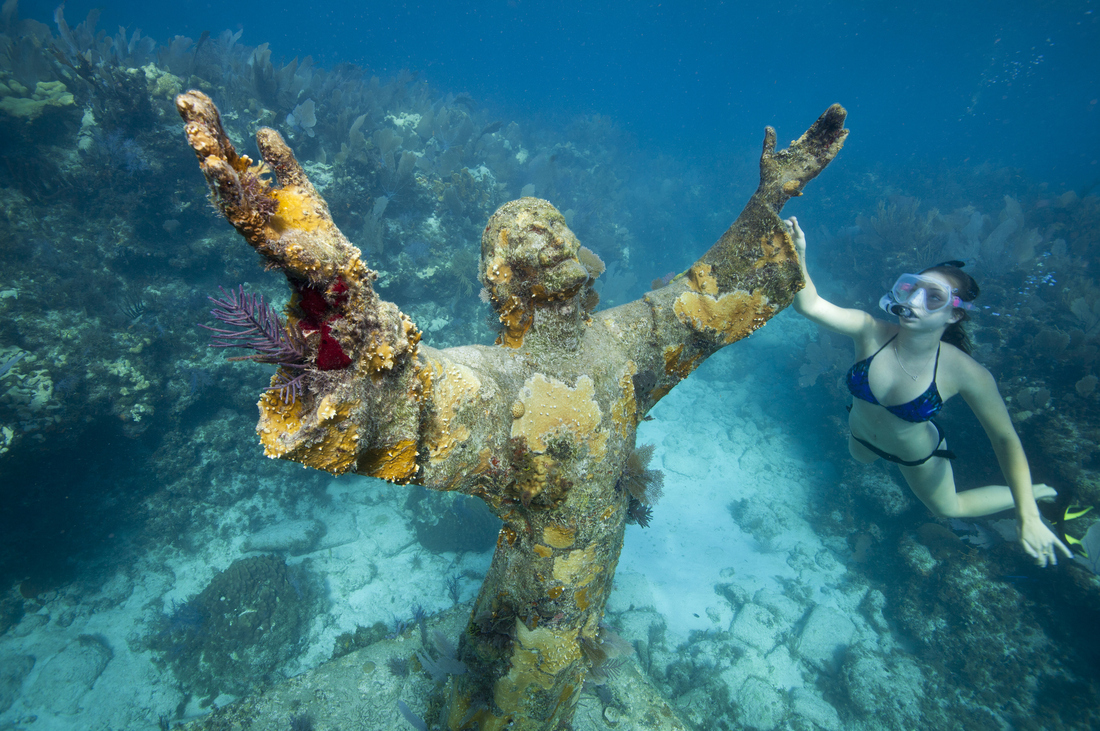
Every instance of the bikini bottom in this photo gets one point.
(945, 453)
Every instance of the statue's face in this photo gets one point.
(527, 252)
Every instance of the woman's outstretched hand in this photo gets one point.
(797, 237)
(1039, 542)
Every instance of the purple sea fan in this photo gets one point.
(254, 324)
(257, 327)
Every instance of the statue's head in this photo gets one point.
(530, 261)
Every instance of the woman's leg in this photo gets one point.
(934, 484)
(1043, 492)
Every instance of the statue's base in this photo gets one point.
(359, 691)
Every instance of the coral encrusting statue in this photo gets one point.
(540, 426)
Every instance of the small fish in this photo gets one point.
(10, 364)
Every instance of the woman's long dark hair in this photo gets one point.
(967, 290)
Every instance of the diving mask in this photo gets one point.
(911, 291)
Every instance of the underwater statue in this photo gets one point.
(538, 426)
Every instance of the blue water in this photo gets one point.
(1014, 83)
(132, 488)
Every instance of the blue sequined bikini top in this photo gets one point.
(922, 408)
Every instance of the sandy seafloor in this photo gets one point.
(719, 439)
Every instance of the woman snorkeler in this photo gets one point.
(914, 365)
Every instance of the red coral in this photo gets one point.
(330, 356)
(318, 314)
(313, 304)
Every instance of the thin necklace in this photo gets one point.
(906, 370)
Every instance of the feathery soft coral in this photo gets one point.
(254, 324)
(642, 485)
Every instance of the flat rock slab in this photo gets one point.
(756, 626)
(760, 706)
(68, 675)
(295, 537)
(825, 637)
(13, 670)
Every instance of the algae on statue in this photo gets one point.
(539, 426)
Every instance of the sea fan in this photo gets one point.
(447, 662)
(257, 327)
(606, 653)
(638, 512)
(289, 387)
(644, 484)
(254, 324)
(414, 720)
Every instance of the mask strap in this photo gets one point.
(958, 265)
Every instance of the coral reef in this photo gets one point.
(992, 643)
(958, 592)
(19, 101)
(246, 622)
(434, 165)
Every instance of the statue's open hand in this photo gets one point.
(242, 190)
(787, 171)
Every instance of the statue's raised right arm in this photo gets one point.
(748, 276)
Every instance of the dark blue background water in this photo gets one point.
(1013, 83)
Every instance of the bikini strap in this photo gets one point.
(937, 452)
(884, 347)
(936, 368)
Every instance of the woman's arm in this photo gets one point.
(856, 324)
(979, 389)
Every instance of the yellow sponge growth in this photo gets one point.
(326, 439)
(729, 317)
(552, 408)
(19, 101)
